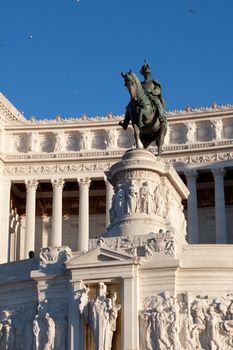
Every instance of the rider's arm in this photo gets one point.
(156, 91)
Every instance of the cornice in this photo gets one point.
(8, 113)
(71, 167)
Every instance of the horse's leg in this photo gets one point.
(160, 140)
(137, 136)
(146, 139)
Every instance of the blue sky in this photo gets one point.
(64, 57)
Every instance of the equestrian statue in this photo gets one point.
(146, 109)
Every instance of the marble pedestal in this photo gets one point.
(148, 197)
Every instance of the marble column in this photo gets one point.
(130, 334)
(56, 235)
(5, 189)
(31, 186)
(193, 228)
(76, 329)
(109, 194)
(83, 231)
(220, 214)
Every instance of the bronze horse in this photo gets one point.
(143, 115)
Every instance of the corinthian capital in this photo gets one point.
(218, 171)
(57, 183)
(31, 184)
(84, 182)
(191, 173)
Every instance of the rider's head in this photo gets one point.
(145, 70)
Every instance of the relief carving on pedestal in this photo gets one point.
(100, 313)
(135, 196)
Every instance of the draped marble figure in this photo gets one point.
(100, 313)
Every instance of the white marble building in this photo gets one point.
(54, 193)
(49, 169)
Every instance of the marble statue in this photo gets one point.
(33, 142)
(100, 313)
(191, 132)
(132, 198)
(6, 331)
(120, 205)
(36, 332)
(159, 200)
(111, 139)
(43, 328)
(59, 143)
(145, 198)
(148, 118)
(50, 326)
(85, 140)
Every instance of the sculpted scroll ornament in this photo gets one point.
(54, 255)
(100, 313)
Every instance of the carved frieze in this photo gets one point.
(142, 245)
(50, 325)
(159, 323)
(186, 323)
(16, 327)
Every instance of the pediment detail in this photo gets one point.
(99, 254)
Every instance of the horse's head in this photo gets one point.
(132, 83)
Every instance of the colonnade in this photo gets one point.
(56, 234)
(83, 236)
(192, 207)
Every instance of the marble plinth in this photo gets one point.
(147, 198)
